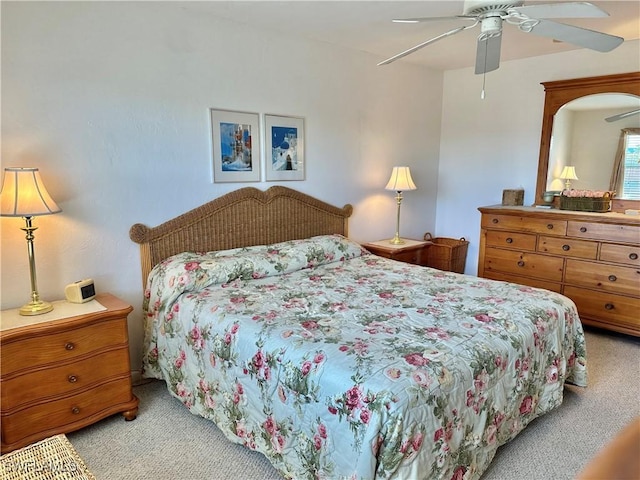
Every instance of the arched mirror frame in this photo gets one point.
(559, 92)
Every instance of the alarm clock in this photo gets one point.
(80, 291)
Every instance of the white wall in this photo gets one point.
(110, 100)
(492, 144)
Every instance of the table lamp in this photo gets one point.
(400, 181)
(568, 173)
(23, 195)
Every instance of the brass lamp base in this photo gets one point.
(396, 241)
(35, 308)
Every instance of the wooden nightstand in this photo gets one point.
(412, 251)
(61, 374)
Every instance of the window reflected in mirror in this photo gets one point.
(626, 169)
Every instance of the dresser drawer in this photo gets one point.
(601, 276)
(524, 263)
(518, 241)
(528, 281)
(606, 307)
(568, 247)
(626, 254)
(63, 379)
(604, 231)
(524, 224)
(60, 415)
(62, 346)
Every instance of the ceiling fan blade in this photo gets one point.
(488, 53)
(423, 44)
(562, 10)
(582, 37)
(620, 116)
(432, 19)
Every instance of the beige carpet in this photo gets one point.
(53, 458)
(168, 442)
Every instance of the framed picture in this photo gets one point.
(284, 148)
(236, 146)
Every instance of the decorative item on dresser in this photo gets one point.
(59, 374)
(592, 258)
(410, 251)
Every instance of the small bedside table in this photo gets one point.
(412, 251)
(63, 370)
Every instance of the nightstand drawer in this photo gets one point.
(61, 346)
(410, 256)
(61, 415)
(24, 389)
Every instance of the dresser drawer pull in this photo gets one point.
(612, 278)
(550, 226)
(566, 248)
(521, 263)
(583, 229)
(509, 240)
(608, 306)
(69, 346)
(494, 220)
(72, 379)
(75, 410)
(633, 256)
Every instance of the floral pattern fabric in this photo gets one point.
(335, 363)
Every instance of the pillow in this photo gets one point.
(192, 271)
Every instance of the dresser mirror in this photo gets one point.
(575, 132)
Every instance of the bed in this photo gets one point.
(262, 316)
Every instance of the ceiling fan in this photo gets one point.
(620, 116)
(490, 14)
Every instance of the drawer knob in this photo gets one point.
(509, 240)
(608, 306)
(72, 379)
(69, 346)
(550, 226)
(566, 248)
(583, 229)
(633, 256)
(521, 263)
(612, 278)
(494, 220)
(75, 410)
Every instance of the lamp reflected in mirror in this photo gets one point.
(568, 174)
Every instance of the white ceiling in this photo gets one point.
(366, 26)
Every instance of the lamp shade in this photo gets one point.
(400, 180)
(23, 194)
(569, 173)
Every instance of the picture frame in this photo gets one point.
(284, 148)
(236, 146)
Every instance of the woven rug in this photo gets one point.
(53, 458)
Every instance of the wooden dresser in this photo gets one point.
(592, 258)
(60, 375)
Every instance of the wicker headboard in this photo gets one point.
(242, 218)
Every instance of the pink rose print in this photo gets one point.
(365, 416)
(458, 473)
(415, 359)
(306, 367)
(527, 405)
(354, 398)
(190, 266)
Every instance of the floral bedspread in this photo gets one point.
(335, 363)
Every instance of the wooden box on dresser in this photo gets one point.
(61, 375)
(592, 258)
